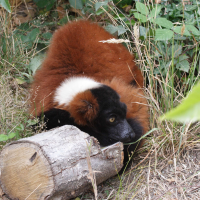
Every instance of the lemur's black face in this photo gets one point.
(111, 125)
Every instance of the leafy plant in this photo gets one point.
(29, 35)
(5, 4)
(122, 4)
(143, 14)
(188, 110)
(18, 131)
(78, 4)
(45, 4)
(7, 137)
(35, 63)
(170, 40)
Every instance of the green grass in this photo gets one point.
(14, 78)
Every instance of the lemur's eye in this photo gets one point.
(112, 119)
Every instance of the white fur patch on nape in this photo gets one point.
(70, 87)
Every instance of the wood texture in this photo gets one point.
(55, 164)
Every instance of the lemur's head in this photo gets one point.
(97, 107)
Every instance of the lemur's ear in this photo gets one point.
(84, 108)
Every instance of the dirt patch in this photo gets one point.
(166, 179)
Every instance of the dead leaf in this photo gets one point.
(24, 13)
(170, 162)
(77, 11)
(61, 12)
(171, 180)
(127, 8)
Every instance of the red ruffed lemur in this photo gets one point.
(92, 85)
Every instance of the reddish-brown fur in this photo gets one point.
(76, 50)
(83, 108)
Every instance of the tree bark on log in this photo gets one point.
(56, 164)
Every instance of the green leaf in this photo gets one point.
(47, 35)
(198, 11)
(183, 65)
(163, 34)
(31, 36)
(36, 62)
(63, 21)
(190, 7)
(11, 135)
(50, 4)
(143, 31)
(188, 110)
(151, 33)
(142, 8)
(140, 17)
(155, 11)
(164, 22)
(100, 11)
(113, 29)
(45, 4)
(190, 18)
(177, 29)
(5, 4)
(78, 4)
(120, 17)
(121, 30)
(193, 29)
(178, 7)
(20, 81)
(121, 4)
(177, 50)
(179, 37)
(3, 137)
(23, 28)
(20, 127)
(32, 122)
(183, 57)
(131, 22)
(99, 4)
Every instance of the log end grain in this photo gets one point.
(25, 172)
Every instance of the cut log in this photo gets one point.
(55, 164)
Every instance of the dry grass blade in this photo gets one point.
(91, 174)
